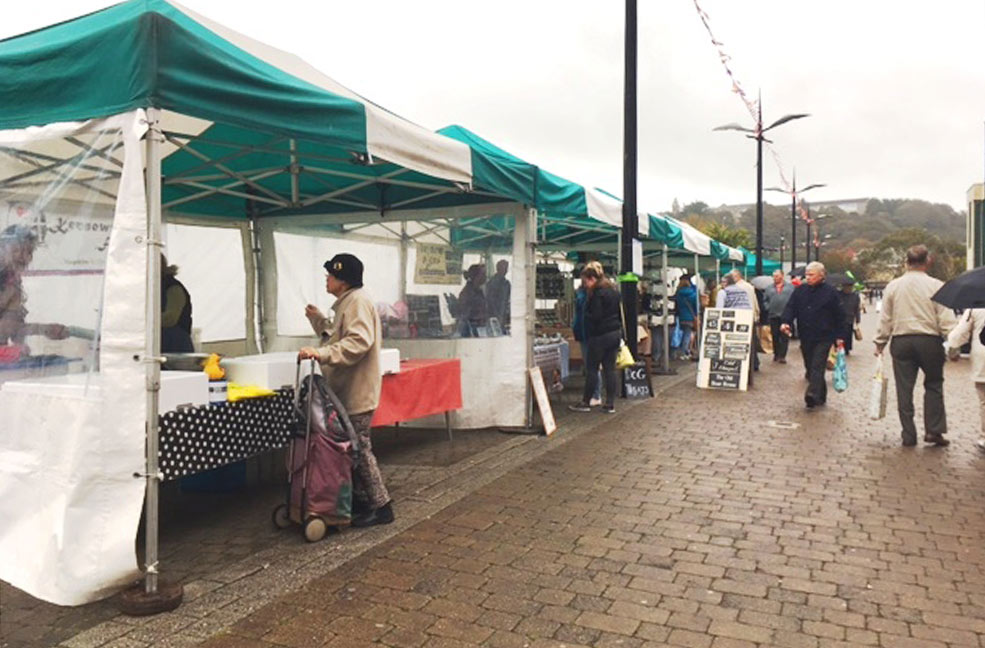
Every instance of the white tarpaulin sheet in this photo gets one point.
(211, 267)
(69, 502)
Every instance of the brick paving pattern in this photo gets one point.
(689, 520)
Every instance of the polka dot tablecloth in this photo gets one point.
(197, 439)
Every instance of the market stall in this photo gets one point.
(231, 133)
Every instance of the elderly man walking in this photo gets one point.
(914, 327)
(817, 308)
(777, 297)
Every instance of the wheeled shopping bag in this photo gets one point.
(322, 450)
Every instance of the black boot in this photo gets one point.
(382, 515)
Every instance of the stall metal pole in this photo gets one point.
(526, 241)
(696, 334)
(257, 302)
(666, 307)
(404, 243)
(152, 339)
(718, 278)
(697, 281)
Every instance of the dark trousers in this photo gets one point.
(910, 354)
(815, 354)
(602, 350)
(780, 341)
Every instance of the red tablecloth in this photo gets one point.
(422, 388)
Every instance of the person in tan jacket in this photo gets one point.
(914, 327)
(350, 361)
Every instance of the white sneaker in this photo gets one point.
(595, 402)
(981, 444)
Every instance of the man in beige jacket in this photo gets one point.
(914, 326)
(350, 361)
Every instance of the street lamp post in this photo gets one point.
(758, 134)
(782, 241)
(793, 216)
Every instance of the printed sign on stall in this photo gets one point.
(726, 348)
(438, 264)
(68, 240)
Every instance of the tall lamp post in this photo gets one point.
(783, 241)
(630, 226)
(758, 134)
(793, 216)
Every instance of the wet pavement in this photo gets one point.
(698, 518)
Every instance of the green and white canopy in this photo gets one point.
(244, 122)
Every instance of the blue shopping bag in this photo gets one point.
(840, 378)
(677, 336)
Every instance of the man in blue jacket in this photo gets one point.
(817, 308)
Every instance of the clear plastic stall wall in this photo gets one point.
(72, 323)
(446, 301)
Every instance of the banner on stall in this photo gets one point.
(726, 349)
(438, 264)
(68, 240)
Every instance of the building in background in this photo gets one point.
(975, 231)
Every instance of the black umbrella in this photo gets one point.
(838, 279)
(967, 290)
(798, 272)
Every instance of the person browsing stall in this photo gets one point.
(350, 362)
(603, 319)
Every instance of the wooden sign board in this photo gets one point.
(726, 349)
(636, 381)
(543, 402)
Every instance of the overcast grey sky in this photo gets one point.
(896, 90)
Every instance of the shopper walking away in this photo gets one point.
(971, 327)
(852, 305)
(604, 328)
(350, 362)
(816, 307)
(580, 327)
(913, 326)
(777, 297)
(686, 307)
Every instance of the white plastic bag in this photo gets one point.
(877, 395)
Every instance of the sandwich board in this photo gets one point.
(726, 349)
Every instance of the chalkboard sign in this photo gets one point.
(726, 347)
(636, 381)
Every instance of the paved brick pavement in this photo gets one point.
(223, 548)
(690, 522)
(685, 521)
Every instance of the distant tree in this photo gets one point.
(696, 208)
(734, 236)
(885, 259)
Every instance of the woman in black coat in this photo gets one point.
(603, 324)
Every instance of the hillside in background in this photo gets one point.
(846, 236)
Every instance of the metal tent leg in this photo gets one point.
(154, 596)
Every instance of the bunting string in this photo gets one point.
(751, 105)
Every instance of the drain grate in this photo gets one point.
(783, 425)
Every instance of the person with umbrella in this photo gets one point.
(967, 292)
(913, 326)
